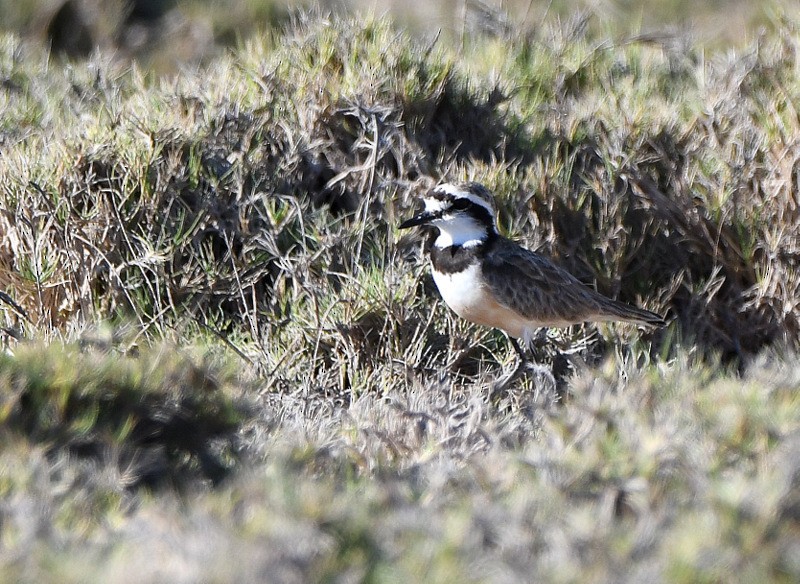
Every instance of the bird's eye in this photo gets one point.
(460, 204)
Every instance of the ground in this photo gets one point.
(222, 361)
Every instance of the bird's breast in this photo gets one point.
(465, 293)
(462, 290)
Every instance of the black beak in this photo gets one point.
(419, 219)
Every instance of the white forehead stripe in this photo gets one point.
(482, 202)
(434, 205)
(449, 189)
(455, 191)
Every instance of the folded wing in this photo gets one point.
(540, 291)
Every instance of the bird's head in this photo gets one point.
(463, 213)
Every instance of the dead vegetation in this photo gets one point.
(226, 209)
(251, 206)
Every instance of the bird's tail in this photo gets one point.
(619, 311)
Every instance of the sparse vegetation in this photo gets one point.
(222, 362)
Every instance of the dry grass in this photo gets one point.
(245, 194)
(165, 34)
(685, 474)
(337, 423)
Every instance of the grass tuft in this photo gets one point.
(164, 416)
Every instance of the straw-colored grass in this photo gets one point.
(223, 362)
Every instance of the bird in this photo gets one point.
(490, 280)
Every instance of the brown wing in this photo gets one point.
(536, 288)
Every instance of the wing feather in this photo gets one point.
(539, 290)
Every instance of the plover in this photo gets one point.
(492, 281)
